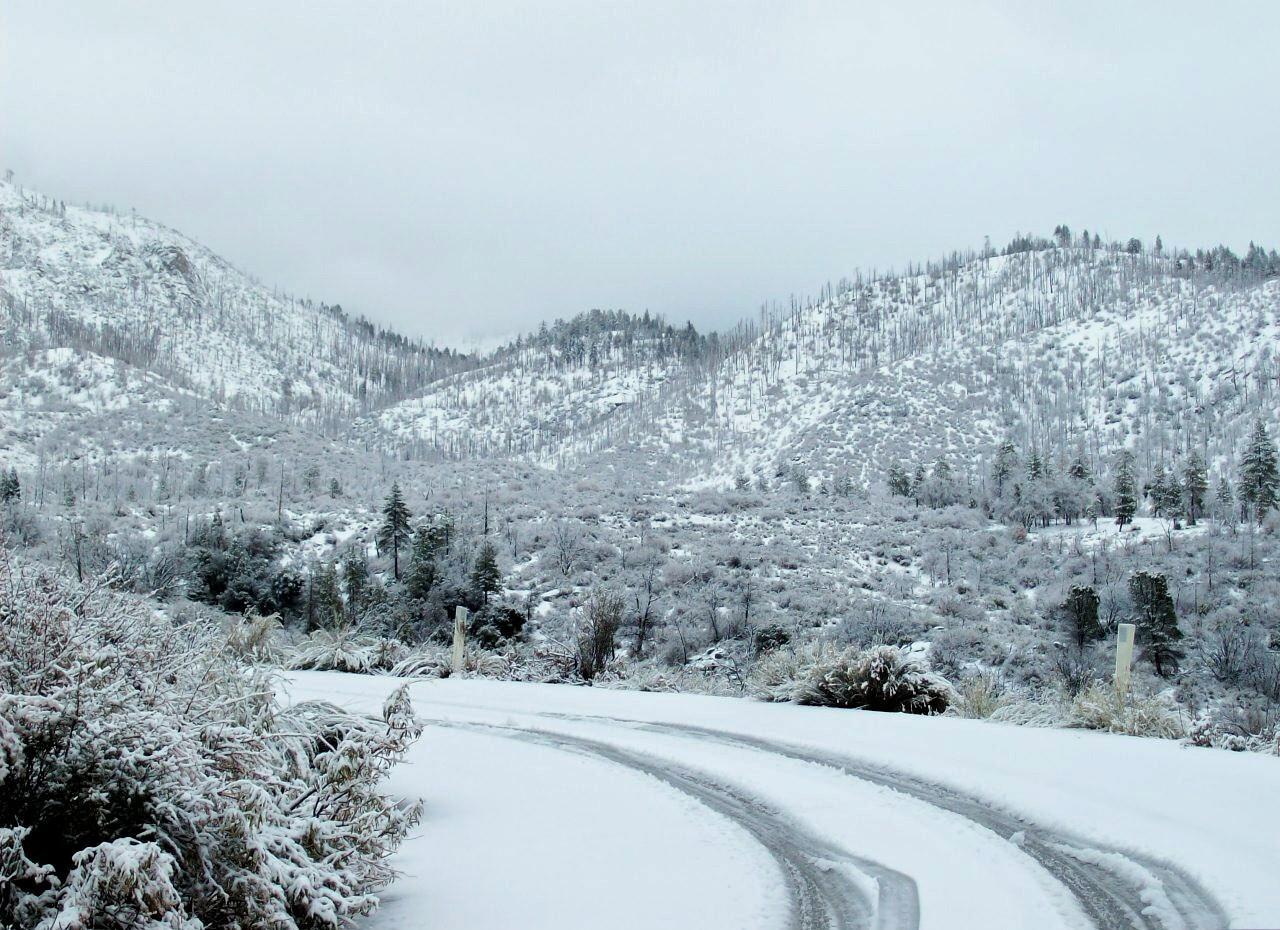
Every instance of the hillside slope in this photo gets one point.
(1067, 348)
(132, 290)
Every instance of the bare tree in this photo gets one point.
(646, 595)
(566, 544)
(597, 639)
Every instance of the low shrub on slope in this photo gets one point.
(147, 779)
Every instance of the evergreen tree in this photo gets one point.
(1195, 484)
(325, 607)
(1079, 614)
(1005, 465)
(438, 535)
(395, 531)
(899, 481)
(1156, 621)
(486, 577)
(1224, 499)
(355, 578)
(1035, 466)
(422, 573)
(1126, 501)
(1259, 481)
(1165, 494)
(10, 486)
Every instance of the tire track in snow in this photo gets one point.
(823, 893)
(1110, 897)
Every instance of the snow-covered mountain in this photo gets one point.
(1066, 345)
(111, 286)
(1062, 347)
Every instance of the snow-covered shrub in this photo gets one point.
(387, 652)
(1101, 707)
(121, 885)
(882, 678)
(774, 676)
(423, 662)
(148, 779)
(1030, 714)
(979, 696)
(347, 649)
(254, 638)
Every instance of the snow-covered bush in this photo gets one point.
(979, 696)
(255, 638)
(1101, 707)
(347, 649)
(148, 779)
(775, 675)
(1030, 714)
(882, 678)
(423, 662)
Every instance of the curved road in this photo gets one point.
(824, 897)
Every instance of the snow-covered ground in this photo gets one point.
(550, 806)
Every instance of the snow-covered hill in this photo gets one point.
(1069, 347)
(129, 289)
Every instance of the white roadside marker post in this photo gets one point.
(1124, 657)
(459, 639)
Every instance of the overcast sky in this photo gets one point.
(468, 169)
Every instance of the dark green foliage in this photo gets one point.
(1195, 485)
(10, 486)
(423, 573)
(1156, 621)
(355, 580)
(768, 638)
(1079, 615)
(239, 571)
(486, 577)
(899, 481)
(495, 624)
(394, 533)
(1165, 494)
(324, 607)
(1259, 480)
(1126, 500)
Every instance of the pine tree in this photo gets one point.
(1035, 466)
(1126, 499)
(1156, 621)
(10, 486)
(1079, 613)
(1165, 494)
(486, 577)
(422, 573)
(1259, 480)
(395, 531)
(1224, 499)
(355, 578)
(899, 481)
(1195, 484)
(325, 598)
(1005, 464)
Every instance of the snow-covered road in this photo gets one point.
(565, 807)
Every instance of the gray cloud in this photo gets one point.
(466, 169)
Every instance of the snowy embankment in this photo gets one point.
(549, 806)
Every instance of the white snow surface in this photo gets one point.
(533, 835)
